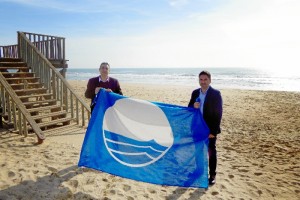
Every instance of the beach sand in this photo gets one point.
(258, 154)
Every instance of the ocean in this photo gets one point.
(222, 78)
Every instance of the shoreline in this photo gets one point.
(194, 86)
(258, 153)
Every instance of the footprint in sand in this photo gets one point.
(152, 191)
(74, 183)
(112, 192)
(223, 186)
(259, 192)
(90, 180)
(258, 173)
(231, 176)
(126, 188)
(11, 174)
(243, 170)
(52, 169)
(104, 180)
(251, 185)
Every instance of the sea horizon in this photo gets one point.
(222, 78)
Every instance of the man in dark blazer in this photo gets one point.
(103, 81)
(209, 101)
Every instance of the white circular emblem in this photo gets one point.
(136, 132)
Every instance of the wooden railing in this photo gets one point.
(53, 80)
(10, 51)
(16, 111)
(52, 47)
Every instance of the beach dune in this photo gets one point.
(258, 153)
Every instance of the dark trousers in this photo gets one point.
(212, 156)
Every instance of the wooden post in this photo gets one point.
(1, 125)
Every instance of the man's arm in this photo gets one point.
(193, 98)
(118, 89)
(90, 90)
(217, 113)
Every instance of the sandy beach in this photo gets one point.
(258, 154)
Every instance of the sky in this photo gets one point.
(261, 34)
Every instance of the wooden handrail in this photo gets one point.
(52, 79)
(10, 100)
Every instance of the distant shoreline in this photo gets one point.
(222, 78)
(195, 86)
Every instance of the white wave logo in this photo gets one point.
(136, 132)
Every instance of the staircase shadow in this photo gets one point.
(7, 136)
(66, 132)
(39, 189)
(194, 194)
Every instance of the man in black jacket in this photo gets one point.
(209, 101)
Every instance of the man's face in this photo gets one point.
(204, 81)
(104, 69)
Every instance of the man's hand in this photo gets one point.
(196, 105)
(211, 136)
(97, 90)
(108, 90)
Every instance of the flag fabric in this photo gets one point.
(147, 141)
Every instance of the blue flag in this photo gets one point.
(147, 141)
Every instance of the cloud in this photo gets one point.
(176, 33)
(178, 3)
(240, 34)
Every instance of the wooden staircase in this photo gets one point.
(34, 96)
(44, 109)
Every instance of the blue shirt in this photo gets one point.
(202, 100)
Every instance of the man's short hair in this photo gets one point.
(205, 73)
(104, 63)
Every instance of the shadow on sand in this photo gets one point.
(39, 189)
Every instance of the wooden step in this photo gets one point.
(16, 86)
(30, 91)
(10, 59)
(55, 122)
(37, 96)
(50, 125)
(40, 103)
(67, 129)
(23, 78)
(5, 69)
(13, 64)
(18, 74)
(51, 114)
(31, 110)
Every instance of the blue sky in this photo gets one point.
(163, 33)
